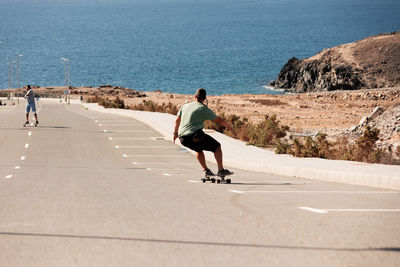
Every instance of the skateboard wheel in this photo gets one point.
(218, 181)
(228, 181)
(213, 180)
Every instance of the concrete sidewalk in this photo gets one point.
(239, 155)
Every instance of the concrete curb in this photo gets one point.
(239, 155)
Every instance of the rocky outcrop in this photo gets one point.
(370, 63)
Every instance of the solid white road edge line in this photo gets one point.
(322, 192)
(347, 210)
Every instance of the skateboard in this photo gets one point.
(29, 125)
(216, 178)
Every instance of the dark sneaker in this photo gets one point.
(208, 173)
(26, 123)
(224, 172)
(37, 122)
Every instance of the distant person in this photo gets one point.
(189, 126)
(30, 104)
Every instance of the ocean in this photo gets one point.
(224, 46)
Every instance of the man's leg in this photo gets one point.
(35, 116)
(202, 159)
(27, 116)
(218, 158)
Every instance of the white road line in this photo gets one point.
(127, 131)
(29, 133)
(149, 169)
(23, 158)
(317, 192)
(236, 191)
(26, 145)
(146, 147)
(364, 210)
(193, 181)
(129, 138)
(155, 138)
(153, 156)
(17, 167)
(313, 210)
(166, 174)
(347, 210)
(111, 125)
(8, 176)
(160, 163)
(114, 121)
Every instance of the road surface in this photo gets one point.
(92, 189)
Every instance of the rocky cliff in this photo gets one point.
(373, 62)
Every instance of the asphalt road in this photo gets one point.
(92, 189)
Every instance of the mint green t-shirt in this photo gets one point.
(193, 116)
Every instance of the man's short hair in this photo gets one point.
(201, 94)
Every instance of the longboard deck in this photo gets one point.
(218, 179)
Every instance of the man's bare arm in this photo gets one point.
(221, 122)
(177, 123)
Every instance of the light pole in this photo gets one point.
(66, 60)
(8, 71)
(18, 70)
(65, 71)
(12, 81)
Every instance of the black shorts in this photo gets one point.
(200, 141)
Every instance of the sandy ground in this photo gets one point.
(309, 113)
(330, 112)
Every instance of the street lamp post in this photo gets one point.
(18, 70)
(68, 73)
(65, 71)
(12, 69)
(8, 71)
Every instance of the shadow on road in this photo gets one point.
(201, 243)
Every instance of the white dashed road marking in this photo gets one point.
(159, 163)
(127, 131)
(128, 138)
(17, 167)
(146, 147)
(23, 158)
(347, 210)
(8, 176)
(29, 133)
(153, 156)
(26, 145)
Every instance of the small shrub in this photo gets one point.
(282, 147)
(265, 133)
(149, 105)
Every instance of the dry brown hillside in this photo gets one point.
(373, 62)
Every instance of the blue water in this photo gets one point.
(225, 46)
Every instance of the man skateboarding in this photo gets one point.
(30, 104)
(189, 126)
